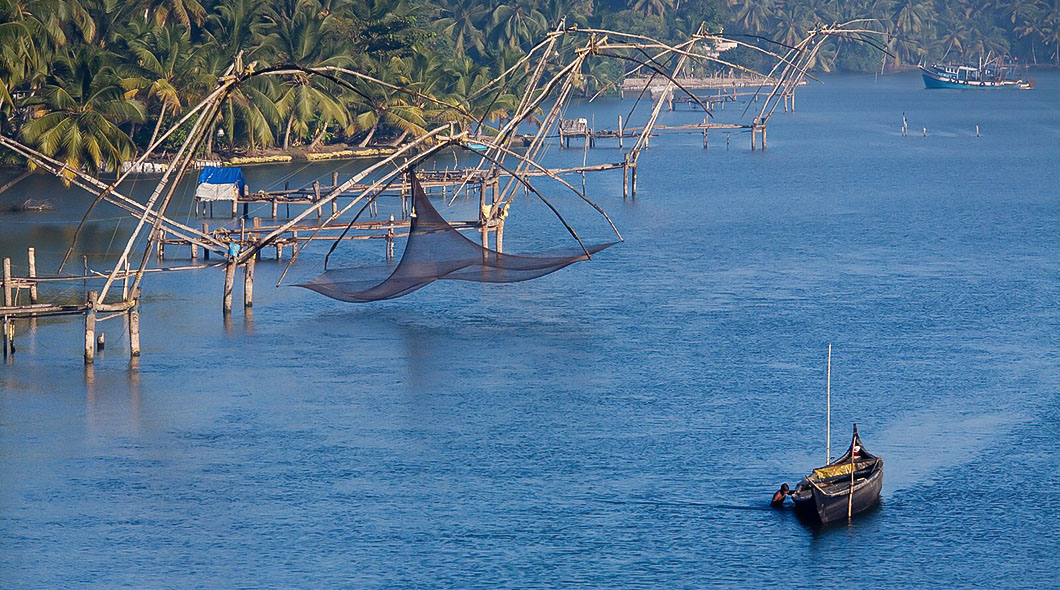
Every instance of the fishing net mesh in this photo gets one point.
(435, 251)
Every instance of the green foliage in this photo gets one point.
(95, 81)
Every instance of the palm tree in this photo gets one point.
(651, 8)
(378, 106)
(170, 68)
(76, 117)
(185, 12)
(753, 16)
(297, 34)
(461, 23)
(517, 24)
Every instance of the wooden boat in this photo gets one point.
(843, 488)
(994, 73)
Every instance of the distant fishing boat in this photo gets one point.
(994, 73)
(843, 488)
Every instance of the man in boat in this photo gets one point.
(778, 498)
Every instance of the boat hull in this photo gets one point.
(932, 80)
(816, 504)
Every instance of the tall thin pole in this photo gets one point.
(828, 412)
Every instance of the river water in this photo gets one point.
(620, 423)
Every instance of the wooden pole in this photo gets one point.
(134, 325)
(828, 408)
(850, 496)
(763, 136)
(6, 343)
(31, 255)
(620, 132)
(500, 236)
(230, 279)
(625, 177)
(206, 251)
(8, 293)
(248, 282)
(90, 329)
(316, 198)
(390, 240)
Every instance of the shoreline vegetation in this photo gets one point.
(93, 82)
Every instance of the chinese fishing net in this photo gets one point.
(436, 251)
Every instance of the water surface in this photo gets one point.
(622, 422)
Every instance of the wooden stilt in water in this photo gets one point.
(316, 198)
(206, 251)
(633, 181)
(390, 240)
(90, 329)
(134, 325)
(31, 256)
(9, 337)
(275, 207)
(500, 236)
(620, 132)
(8, 292)
(248, 283)
(230, 279)
(763, 136)
(625, 178)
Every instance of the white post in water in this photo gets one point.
(828, 411)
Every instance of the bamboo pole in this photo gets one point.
(828, 408)
(31, 256)
(183, 157)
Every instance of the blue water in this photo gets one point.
(621, 423)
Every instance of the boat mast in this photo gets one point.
(828, 411)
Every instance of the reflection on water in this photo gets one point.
(620, 423)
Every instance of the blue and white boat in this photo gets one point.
(994, 74)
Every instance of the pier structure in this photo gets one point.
(501, 172)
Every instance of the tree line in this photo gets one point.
(93, 82)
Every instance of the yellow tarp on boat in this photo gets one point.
(834, 470)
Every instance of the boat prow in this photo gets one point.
(847, 486)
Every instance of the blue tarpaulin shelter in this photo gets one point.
(220, 184)
(220, 175)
